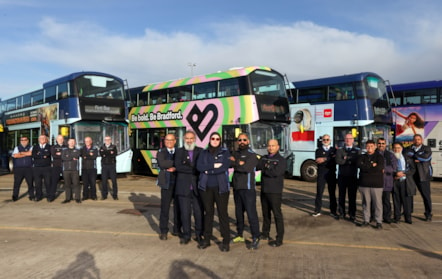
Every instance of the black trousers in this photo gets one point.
(56, 172)
(19, 175)
(187, 205)
(109, 172)
(210, 197)
(425, 190)
(89, 177)
(167, 196)
(347, 184)
(42, 175)
(401, 201)
(329, 177)
(245, 200)
(271, 202)
(72, 185)
(386, 205)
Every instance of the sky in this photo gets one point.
(151, 41)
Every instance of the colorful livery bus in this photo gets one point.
(77, 105)
(251, 100)
(356, 103)
(417, 109)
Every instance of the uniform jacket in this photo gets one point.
(165, 161)
(24, 162)
(244, 175)
(41, 156)
(56, 154)
(423, 167)
(88, 157)
(370, 176)
(347, 166)
(108, 154)
(272, 173)
(205, 165)
(330, 164)
(187, 174)
(390, 164)
(410, 170)
(70, 157)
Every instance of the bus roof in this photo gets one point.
(76, 75)
(416, 85)
(232, 73)
(332, 80)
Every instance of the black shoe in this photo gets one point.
(275, 243)
(38, 199)
(31, 198)
(163, 236)
(387, 221)
(184, 241)
(352, 219)
(94, 198)
(174, 233)
(198, 239)
(51, 199)
(84, 198)
(115, 198)
(334, 215)
(364, 224)
(78, 201)
(378, 226)
(265, 237)
(408, 221)
(103, 198)
(255, 244)
(14, 198)
(428, 217)
(396, 221)
(203, 245)
(225, 247)
(66, 201)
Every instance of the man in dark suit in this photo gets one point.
(186, 189)
(166, 181)
(421, 154)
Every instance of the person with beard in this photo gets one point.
(325, 158)
(166, 181)
(186, 191)
(404, 185)
(371, 183)
(244, 162)
(214, 188)
(421, 154)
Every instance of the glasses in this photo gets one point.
(325, 139)
(24, 140)
(217, 139)
(242, 140)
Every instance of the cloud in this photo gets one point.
(302, 50)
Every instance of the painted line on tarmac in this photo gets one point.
(307, 243)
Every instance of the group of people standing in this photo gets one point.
(197, 179)
(49, 162)
(379, 174)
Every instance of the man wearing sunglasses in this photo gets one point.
(244, 162)
(325, 158)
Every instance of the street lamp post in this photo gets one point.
(191, 65)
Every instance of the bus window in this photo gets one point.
(11, 104)
(37, 97)
(311, 95)
(50, 94)
(180, 94)
(158, 97)
(26, 102)
(424, 96)
(228, 87)
(204, 91)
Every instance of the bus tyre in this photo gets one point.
(309, 171)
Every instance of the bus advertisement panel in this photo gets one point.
(251, 100)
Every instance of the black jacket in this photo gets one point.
(347, 161)
(70, 159)
(186, 171)
(108, 155)
(165, 161)
(56, 154)
(369, 175)
(41, 156)
(272, 173)
(423, 167)
(88, 157)
(330, 163)
(244, 175)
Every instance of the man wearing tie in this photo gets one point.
(166, 181)
(186, 191)
(346, 158)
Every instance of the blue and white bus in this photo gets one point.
(355, 103)
(417, 109)
(77, 105)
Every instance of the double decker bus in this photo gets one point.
(77, 105)
(355, 103)
(251, 100)
(417, 109)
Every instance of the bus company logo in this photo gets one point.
(157, 116)
(328, 113)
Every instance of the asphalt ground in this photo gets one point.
(119, 239)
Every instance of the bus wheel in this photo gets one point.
(309, 171)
